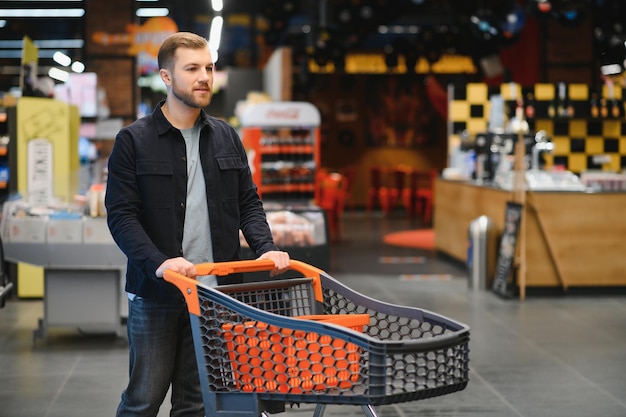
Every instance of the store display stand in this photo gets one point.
(78, 294)
(282, 141)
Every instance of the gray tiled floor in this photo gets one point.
(553, 355)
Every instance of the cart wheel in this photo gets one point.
(264, 414)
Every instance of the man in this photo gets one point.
(178, 191)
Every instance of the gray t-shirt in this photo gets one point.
(197, 246)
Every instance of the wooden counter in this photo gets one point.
(573, 239)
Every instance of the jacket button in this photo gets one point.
(184, 159)
(182, 205)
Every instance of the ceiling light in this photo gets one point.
(611, 69)
(16, 53)
(62, 59)
(215, 35)
(35, 13)
(152, 12)
(3, 23)
(59, 74)
(217, 5)
(60, 43)
(78, 67)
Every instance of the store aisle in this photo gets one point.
(549, 356)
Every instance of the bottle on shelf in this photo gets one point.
(562, 102)
(604, 109)
(530, 106)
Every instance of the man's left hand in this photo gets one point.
(281, 261)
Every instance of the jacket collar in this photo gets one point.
(163, 125)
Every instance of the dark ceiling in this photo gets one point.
(332, 27)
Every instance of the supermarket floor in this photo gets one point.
(553, 355)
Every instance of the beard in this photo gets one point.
(189, 99)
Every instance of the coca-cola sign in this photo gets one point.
(283, 114)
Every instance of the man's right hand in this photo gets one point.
(180, 265)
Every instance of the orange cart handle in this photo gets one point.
(188, 286)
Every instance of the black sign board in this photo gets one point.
(503, 283)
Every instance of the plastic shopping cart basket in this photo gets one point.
(311, 339)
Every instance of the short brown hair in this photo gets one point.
(178, 40)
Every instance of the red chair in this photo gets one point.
(377, 192)
(401, 176)
(349, 174)
(424, 195)
(332, 197)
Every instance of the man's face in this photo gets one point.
(192, 77)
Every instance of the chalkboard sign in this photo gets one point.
(502, 285)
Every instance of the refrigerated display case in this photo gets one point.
(301, 230)
(282, 142)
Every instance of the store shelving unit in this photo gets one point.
(282, 141)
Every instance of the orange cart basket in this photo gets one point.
(311, 339)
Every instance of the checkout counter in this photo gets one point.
(573, 230)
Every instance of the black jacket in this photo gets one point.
(146, 194)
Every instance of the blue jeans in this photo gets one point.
(161, 353)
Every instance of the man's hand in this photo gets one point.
(281, 261)
(180, 265)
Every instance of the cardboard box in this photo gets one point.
(27, 229)
(95, 230)
(65, 231)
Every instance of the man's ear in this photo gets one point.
(165, 76)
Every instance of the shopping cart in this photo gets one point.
(311, 339)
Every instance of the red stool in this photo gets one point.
(349, 174)
(401, 186)
(377, 192)
(424, 195)
(332, 199)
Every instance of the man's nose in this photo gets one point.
(205, 74)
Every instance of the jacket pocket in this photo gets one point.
(228, 162)
(230, 167)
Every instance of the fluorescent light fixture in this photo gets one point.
(611, 69)
(48, 44)
(58, 74)
(215, 35)
(78, 67)
(60, 44)
(152, 12)
(62, 59)
(35, 13)
(16, 53)
(217, 5)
